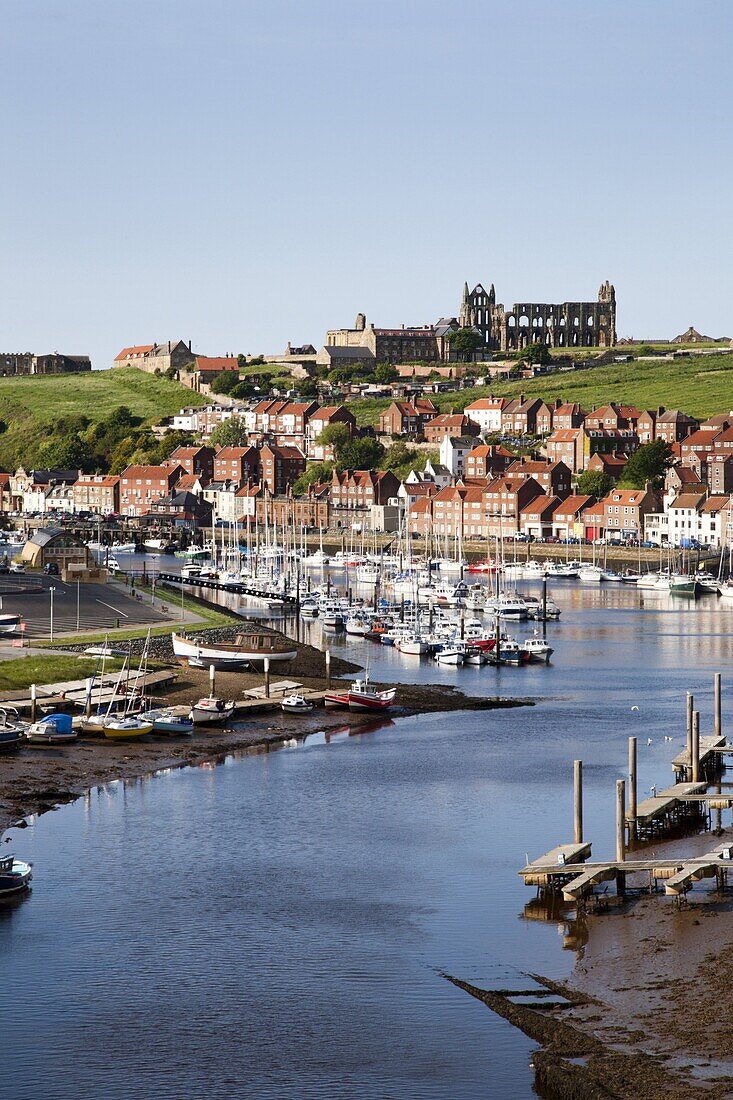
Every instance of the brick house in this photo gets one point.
(701, 442)
(535, 518)
(281, 466)
(566, 519)
(318, 422)
(450, 425)
(567, 415)
(141, 486)
(567, 445)
(504, 499)
(613, 464)
(362, 488)
(520, 417)
(720, 473)
(98, 493)
(487, 460)
(553, 477)
(198, 461)
(407, 417)
(237, 464)
(673, 426)
(624, 511)
(172, 355)
(206, 369)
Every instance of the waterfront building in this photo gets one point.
(141, 486)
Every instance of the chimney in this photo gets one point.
(189, 345)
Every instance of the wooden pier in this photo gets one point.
(566, 870)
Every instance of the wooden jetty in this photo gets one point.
(567, 869)
(76, 691)
(237, 587)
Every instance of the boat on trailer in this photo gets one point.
(246, 650)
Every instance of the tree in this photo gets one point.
(649, 464)
(361, 454)
(594, 483)
(314, 473)
(63, 453)
(335, 435)
(225, 381)
(537, 354)
(385, 373)
(232, 433)
(465, 343)
(306, 387)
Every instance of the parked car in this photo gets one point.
(51, 569)
(17, 567)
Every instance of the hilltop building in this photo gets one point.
(563, 325)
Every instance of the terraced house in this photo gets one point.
(141, 486)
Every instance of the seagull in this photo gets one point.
(648, 741)
(652, 791)
(634, 708)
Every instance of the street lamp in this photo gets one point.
(51, 592)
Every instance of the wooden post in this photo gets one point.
(690, 707)
(632, 787)
(544, 605)
(620, 820)
(266, 663)
(33, 702)
(212, 680)
(463, 624)
(578, 801)
(718, 712)
(328, 668)
(695, 764)
(497, 647)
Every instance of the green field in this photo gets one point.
(699, 385)
(29, 405)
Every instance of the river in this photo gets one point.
(280, 925)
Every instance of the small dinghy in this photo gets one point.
(54, 729)
(11, 729)
(211, 711)
(296, 704)
(15, 876)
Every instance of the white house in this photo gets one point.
(486, 412)
(453, 453)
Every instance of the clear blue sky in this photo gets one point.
(244, 173)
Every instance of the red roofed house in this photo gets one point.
(318, 422)
(593, 519)
(487, 460)
(206, 369)
(486, 412)
(624, 511)
(567, 517)
(198, 461)
(98, 493)
(699, 443)
(504, 499)
(449, 425)
(237, 464)
(612, 464)
(407, 417)
(567, 415)
(361, 488)
(535, 518)
(141, 486)
(553, 477)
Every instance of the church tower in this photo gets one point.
(465, 317)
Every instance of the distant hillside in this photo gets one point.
(30, 406)
(699, 384)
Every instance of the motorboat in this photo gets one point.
(15, 876)
(54, 729)
(159, 546)
(112, 564)
(247, 649)
(170, 720)
(565, 570)
(451, 653)
(296, 704)
(511, 653)
(647, 580)
(357, 625)
(475, 656)
(592, 574)
(11, 729)
(509, 606)
(368, 574)
(309, 608)
(707, 581)
(124, 547)
(212, 711)
(538, 649)
(411, 643)
(630, 576)
(126, 727)
(544, 612)
(362, 696)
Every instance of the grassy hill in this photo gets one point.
(29, 405)
(699, 385)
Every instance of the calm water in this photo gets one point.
(279, 926)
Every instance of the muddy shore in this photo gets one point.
(647, 1011)
(33, 780)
